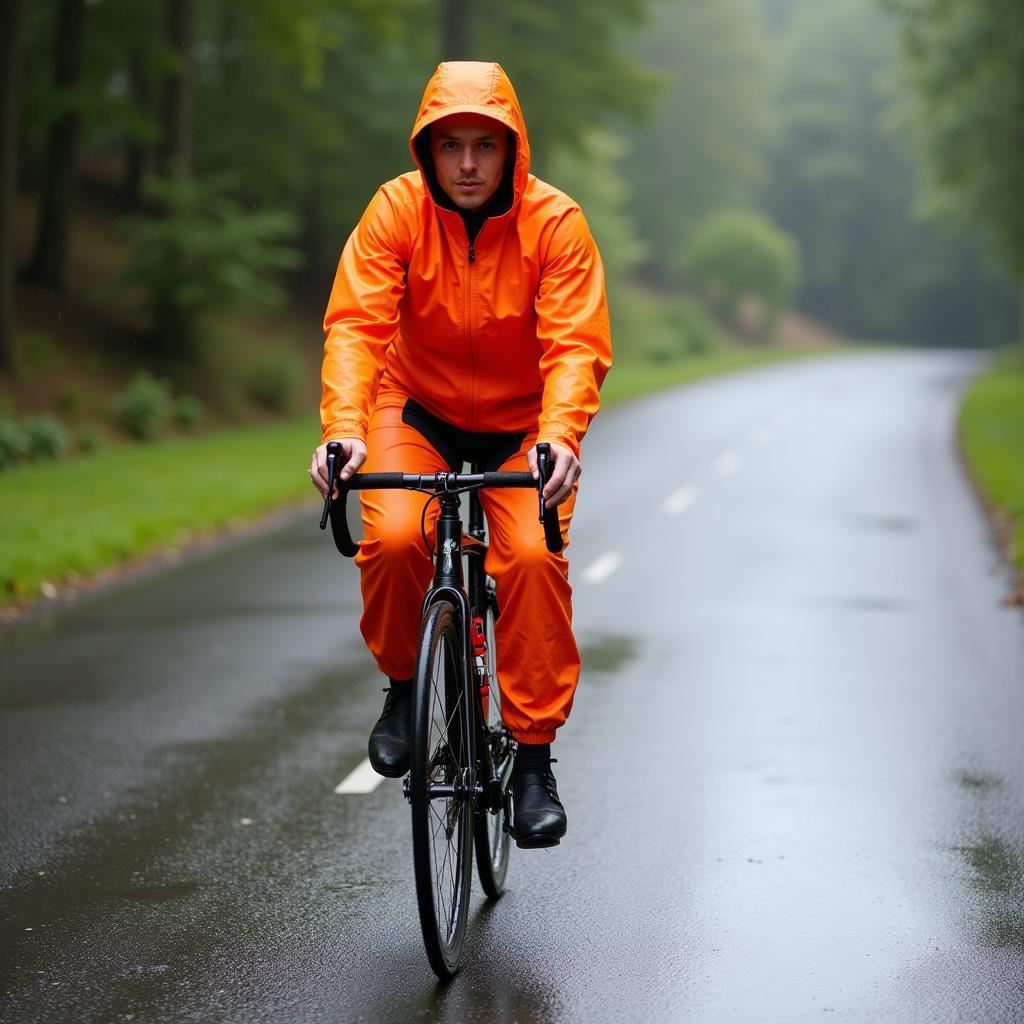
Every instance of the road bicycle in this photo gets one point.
(461, 753)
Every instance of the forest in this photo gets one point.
(179, 177)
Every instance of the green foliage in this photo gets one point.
(738, 253)
(203, 251)
(690, 324)
(46, 438)
(567, 63)
(273, 381)
(144, 406)
(965, 65)
(189, 411)
(14, 444)
(702, 148)
(591, 175)
(842, 184)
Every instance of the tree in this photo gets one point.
(10, 36)
(842, 183)
(701, 148)
(49, 257)
(738, 254)
(177, 99)
(964, 62)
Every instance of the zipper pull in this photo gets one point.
(472, 253)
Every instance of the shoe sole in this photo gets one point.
(390, 773)
(538, 842)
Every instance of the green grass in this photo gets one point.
(87, 514)
(992, 428)
(93, 512)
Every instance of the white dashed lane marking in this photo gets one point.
(679, 501)
(727, 464)
(601, 568)
(362, 779)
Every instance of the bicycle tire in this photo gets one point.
(442, 753)
(491, 835)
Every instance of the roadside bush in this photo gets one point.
(273, 381)
(188, 411)
(46, 438)
(692, 326)
(143, 407)
(13, 444)
(735, 254)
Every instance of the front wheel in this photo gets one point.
(492, 823)
(441, 788)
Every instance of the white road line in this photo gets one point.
(679, 501)
(727, 464)
(601, 568)
(362, 779)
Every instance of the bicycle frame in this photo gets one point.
(450, 584)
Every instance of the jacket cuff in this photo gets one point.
(344, 428)
(559, 433)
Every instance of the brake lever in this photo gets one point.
(543, 474)
(332, 469)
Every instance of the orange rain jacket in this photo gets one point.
(508, 335)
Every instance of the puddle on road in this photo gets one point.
(862, 603)
(608, 653)
(888, 523)
(997, 875)
(995, 868)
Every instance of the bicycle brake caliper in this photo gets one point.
(480, 658)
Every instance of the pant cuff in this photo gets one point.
(520, 736)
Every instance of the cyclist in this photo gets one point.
(468, 322)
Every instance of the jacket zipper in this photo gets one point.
(469, 337)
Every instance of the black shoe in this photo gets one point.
(389, 741)
(539, 818)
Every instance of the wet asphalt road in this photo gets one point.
(794, 772)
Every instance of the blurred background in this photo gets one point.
(773, 175)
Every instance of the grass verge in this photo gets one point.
(78, 517)
(73, 519)
(992, 433)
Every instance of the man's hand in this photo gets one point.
(353, 455)
(565, 472)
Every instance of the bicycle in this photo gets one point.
(461, 753)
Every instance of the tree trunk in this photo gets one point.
(457, 42)
(50, 255)
(177, 145)
(10, 21)
(136, 152)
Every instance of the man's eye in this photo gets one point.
(487, 145)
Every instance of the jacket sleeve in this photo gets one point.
(361, 320)
(573, 329)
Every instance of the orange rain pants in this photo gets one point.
(538, 662)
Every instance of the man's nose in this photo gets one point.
(468, 161)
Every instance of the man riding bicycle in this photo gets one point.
(468, 322)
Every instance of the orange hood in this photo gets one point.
(474, 87)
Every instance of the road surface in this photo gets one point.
(794, 773)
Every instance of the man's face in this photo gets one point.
(469, 153)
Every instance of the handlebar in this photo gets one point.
(437, 483)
